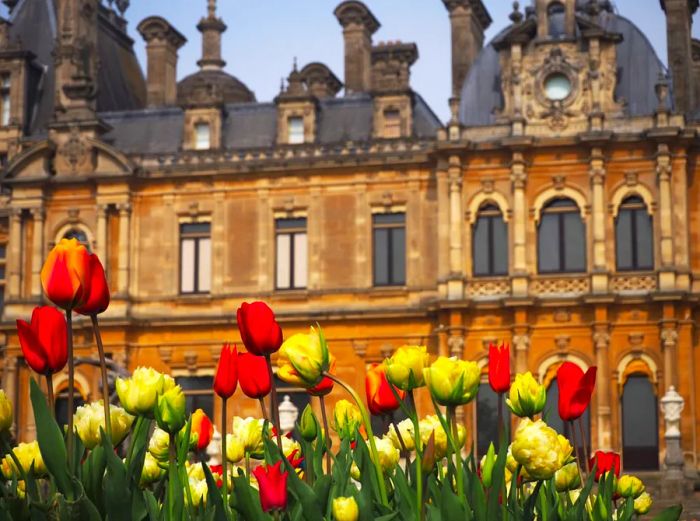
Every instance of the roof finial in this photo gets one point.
(516, 16)
(211, 8)
(294, 68)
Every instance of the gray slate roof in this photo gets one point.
(254, 125)
(637, 63)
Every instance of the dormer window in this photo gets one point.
(5, 104)
(295, 130)
(556, 14)
(202, 136)
(392, 123)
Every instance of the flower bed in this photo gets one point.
(418, 469)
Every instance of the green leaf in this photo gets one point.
(93, 472)
(215, 499)
(152, 505)
(138, 446)
(670, 514)
(247, 501)
(174, 498)
(51, 444)
(450, 505)
(117, 494)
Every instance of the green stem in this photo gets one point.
(49, 392)
(584, 444)
(274, 406)
(103, 370)
(71, 378)
(172, 469)
(452, 422)
(370, 434)
(247, 466)
(326, 434)
(419, 455)
(224, 459)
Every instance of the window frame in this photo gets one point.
(561, 211)
(391, 280)
(302, 137)
(393, 123)
(292, 232)
(490, 211)
(5, 99)
(634, 205)
(197, 237)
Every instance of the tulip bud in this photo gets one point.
(90, 418)
(629, 486)
(249, 432)
(452, 381)
(303, 358)
(345, 509)
(538, 449)
(198, 492)
(405, 367)
(5, 412)
(159, 444)
(170, 410)
(65, 275)
(235, 450)
(347, 419)
(388, 454)
(642, 504)
(308, 425)
(139, 393)
(526, 397)
(202, 429)
(487, 464)
(567, 477)
(151, 472)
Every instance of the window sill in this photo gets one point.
(388, 291)
(195, 297)
(291, 294)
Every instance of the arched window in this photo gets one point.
(556, 13)
(634, 236)
(490, 242)
(80, 235)
(561, 238)
(61, 404)
(487, 419)
(640, 425)
(555, 422)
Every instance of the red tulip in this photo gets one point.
(273, 486)
(575, 390)
(380, 399)
(43, 340)
(260, 332)
(65, 275)
(226, 378)
(97, 296)
(604, 462)
(203, 427)
(499, 368)
(253, 376)
(294, 461)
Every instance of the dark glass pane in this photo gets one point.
(557, 26)
(196, 383)
(61, 405)
(487, 419)
(381, 257)
(640, 425)
(574, 243)
(74, 233)
(548, 244)
(389, 218)
(645, 240)
(480, 247)
(500, 246)
(623, 240)
(3, 250)
(204, 401)
(560, 203)
(398, 255)
(200, 401)
(285, 224)
(2, 272)
(195, 228)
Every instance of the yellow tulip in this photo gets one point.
(347, 419)
(567, 477)
(643, 503)
(526, 397)
(249, 432)
(198, 492)
(139, 393)
(27, 454)
(388, 454)
(452, 381)
(345, 509)
(90, 418)
(406, 432)
(404, 369)
(303, 358)
(538, 449)
(5, 412)
(629, 486)
(158, 445)
(289, 446)
(235, 450)
(151, 472)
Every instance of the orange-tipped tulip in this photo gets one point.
(97, 297)
(226, 378)
(499, 368)
(380, 399)
(65, 275)
(43, 341)
(273, 486)
(575, 390)
(260, 332)
(203, 427)
(253, 375)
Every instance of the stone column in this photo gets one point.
(601, 341)
(518, 179)
(443, 224)
(663, 171)
(124, 229)
(9, 384)
(101, 235)
(669, 344)
(456, 284)
(14, 257)
(597, 176)
(38, 216)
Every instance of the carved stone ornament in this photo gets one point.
(562, 342)
(456, 345)
(672, 406)
(74, 151)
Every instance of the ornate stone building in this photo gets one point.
(557, 210)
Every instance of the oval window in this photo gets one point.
(557, 87)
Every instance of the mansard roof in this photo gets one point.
(254, 125)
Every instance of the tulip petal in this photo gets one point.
(31, 348)
(50, 328)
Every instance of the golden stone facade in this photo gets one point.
(586, 145)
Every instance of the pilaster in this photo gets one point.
(443, 223)
(663, 172)
(124, 227)
(38, 217)
(455, 288)
(601, 342)
(101, 235)
(14, 257)
(518, 177)
(599, 279)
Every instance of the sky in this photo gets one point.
(264, 36)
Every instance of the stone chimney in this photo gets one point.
(211, 28)
(468, 19)
(679, 19)
(359, 24)
(162, 43)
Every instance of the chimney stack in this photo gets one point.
(359, 24)
(162, 43)
(468, 19)
(679, 19)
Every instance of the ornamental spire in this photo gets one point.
(211, 28)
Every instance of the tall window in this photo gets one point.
(5, 103)
(490, 243)
(202, 136)
(389, 241)
(640, 424)
(555, 422)
(198, 393)
(195, 258)
(61, 404)
(295, 130)
(292, 263)
(487, 418)
(392, 124)
(634, 236)
(561, 239)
